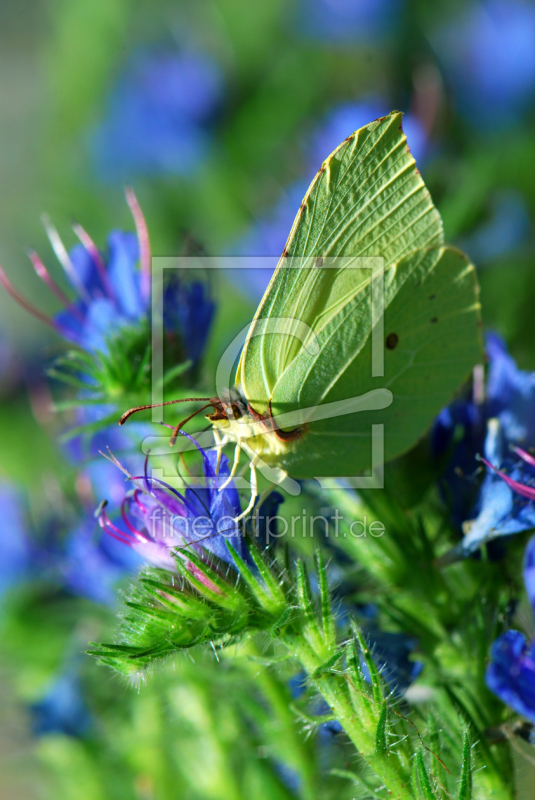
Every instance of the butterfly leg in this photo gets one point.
(237, 453)
(274, 475)
(219, 444)
(254, 490)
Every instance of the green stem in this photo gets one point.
(334, 689)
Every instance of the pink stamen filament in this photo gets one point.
(94, 252)
(46, 277)
(21, 300)
(64, 259)
(529, 459)
(138, 501)
(141, 536)
(105, 522)
(519, 488)
(143, 239)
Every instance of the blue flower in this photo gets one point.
(189, 310)
(511, 672)
(16, 551)
(159, 116)
(62, 709)
(348, 20)
(503, 426)
(489, 54)
(507, 229)
(345, 118)
(158, 521)
(113, 293)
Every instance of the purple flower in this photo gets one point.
(348, 20)
(489, 53)
(159, 116)
(511, 672)
(159, 522)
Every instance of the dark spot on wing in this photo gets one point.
(319, 261)
(434, 319)
(284, 253)
(392, 341)
(432, 296)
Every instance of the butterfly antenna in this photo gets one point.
(131, 411)
(176, 431)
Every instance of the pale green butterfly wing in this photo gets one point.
(431, 322)
(368, 199)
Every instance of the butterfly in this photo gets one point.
(368, 325)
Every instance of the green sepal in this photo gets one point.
(284, 619)
(263, 597)
(269, 579)
(465, 788)
(358, 686)
(426, 790)
(328, 665)
(229, 598)
(375, 677)
(329, 630)
(305, 601)
(381, 745)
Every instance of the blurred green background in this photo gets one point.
(219, 112)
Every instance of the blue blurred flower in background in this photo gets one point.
(16, 550)
(347, 117)
(159, 117)
(348, 20)
(63, 708)
(511, 672)
(489, 54)
(507, 228)
(68, 552)
(91, 565)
